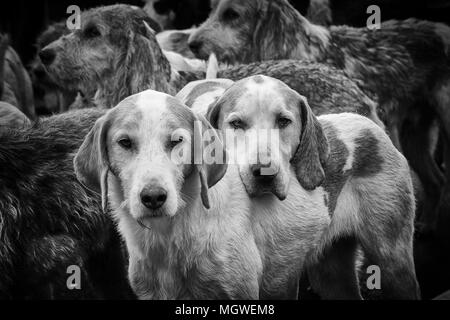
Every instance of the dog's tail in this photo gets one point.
(4, 44)
(213, 67)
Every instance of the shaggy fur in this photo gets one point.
(110, 57)
(49, 221)
(15, 84)
(405, 65)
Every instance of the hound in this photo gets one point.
(15, 84)
(191, 230)
(93, 60)
(51, 226)
(364, 180)
(405, 66)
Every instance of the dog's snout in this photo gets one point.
(47, 56)
(153, 197)
(263, 171)
(195, 46)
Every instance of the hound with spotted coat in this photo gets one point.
(364, 180)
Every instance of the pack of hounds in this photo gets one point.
(360, 178)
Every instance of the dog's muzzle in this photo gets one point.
(153, 197)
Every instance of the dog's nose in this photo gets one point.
(47, 56)
(195, 46)
(153, 198)
(263, 171)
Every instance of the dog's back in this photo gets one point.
(47, 215)
(405, 52)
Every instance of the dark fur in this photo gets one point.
(49, 221)
(336, 177)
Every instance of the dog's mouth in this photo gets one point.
(263, 186)
(155, 222)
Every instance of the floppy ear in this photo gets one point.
(142, 65)
(91, 161)
(268, 42)
(309, 161)
(212, 115)
(210, 172)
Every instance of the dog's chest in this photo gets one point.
(285, 232)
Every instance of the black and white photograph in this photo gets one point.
(224, 150)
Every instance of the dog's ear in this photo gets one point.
(267, 39)
(268, 42)
(142, 65)
(309, 161)
(91, 161)
(209, 156)
(213, 113)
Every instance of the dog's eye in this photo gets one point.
(125, 143)
(230, 15)
(176, 141)
(283, 122)
(237, 124)
(91, 32)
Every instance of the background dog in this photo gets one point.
(50, 221)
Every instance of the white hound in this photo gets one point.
(364, 179)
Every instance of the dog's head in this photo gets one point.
(112, 48)
(147, 147)
(253, 30)
(227, 31)
(268, 127)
